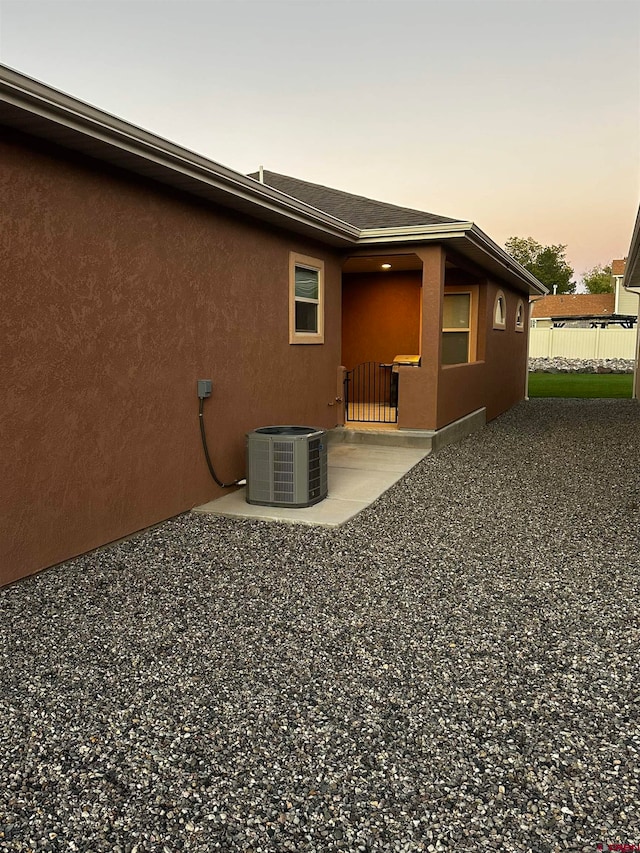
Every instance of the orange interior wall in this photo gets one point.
(117, 296)
(380, 316)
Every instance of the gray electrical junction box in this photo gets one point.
(204, 388)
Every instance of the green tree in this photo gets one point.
(547, 263)
(598, 279)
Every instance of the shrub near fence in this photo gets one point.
(607, 343)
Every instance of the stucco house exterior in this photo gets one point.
(627, 302)
(631, 282)
(132, 267)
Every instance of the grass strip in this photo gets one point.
(580, 385)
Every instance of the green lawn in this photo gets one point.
(580, 385)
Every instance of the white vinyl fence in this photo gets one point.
(611, 342)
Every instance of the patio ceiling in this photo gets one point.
(373, 263)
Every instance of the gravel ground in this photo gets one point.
(455, 669)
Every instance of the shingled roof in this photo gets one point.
(617, 266)
(575, 305)
(355, 209)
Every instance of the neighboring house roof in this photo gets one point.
(617, 267)
(356, 209)
(574, 305)
(41, 111)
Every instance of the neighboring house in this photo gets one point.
(585, 325)
(584, 310)
(617, 270)
(631, 282)
(627, 301)
(132, 267)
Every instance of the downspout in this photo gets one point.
(635, 390)
(635, 366)
(526, 374)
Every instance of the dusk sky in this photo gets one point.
(523, 117)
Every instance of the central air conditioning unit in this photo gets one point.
(286, 466)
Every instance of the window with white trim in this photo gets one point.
(306, 300)
(520, 316)
(459, 324)
(500, 311)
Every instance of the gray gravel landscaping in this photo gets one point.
(455, 669)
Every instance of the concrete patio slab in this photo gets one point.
(375, 457)
(358, 475)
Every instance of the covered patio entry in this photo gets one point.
(381, 330)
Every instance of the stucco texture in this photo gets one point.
(497, 380)
(432, 395)
(117, 296)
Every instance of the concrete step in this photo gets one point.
(426, 439)
(416, 438)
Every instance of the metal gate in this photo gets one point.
(371, 393)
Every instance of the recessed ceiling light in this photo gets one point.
(386, 266)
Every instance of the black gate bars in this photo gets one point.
(371, 393)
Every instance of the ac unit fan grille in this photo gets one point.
(283, 471)
(315, 469)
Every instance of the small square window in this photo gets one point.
(306, 300)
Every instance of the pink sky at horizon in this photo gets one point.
(523, 117)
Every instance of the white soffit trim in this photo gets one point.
(413, 233)
(510, 265)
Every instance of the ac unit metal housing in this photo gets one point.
(286, 466)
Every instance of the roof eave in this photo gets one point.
(631, 280)
(467, 239)
(44, 112)
(414, 233)
(36, 109)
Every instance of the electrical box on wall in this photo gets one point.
(204, 388)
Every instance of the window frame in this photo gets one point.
(472, 330)
(500, 324)
(519, 326)
(305, 262)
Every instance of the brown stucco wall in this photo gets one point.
(506, 354)
(433, 395)
(418, 386)
(117, 296)
(497, 381)
(461, 390)
(380, 316)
